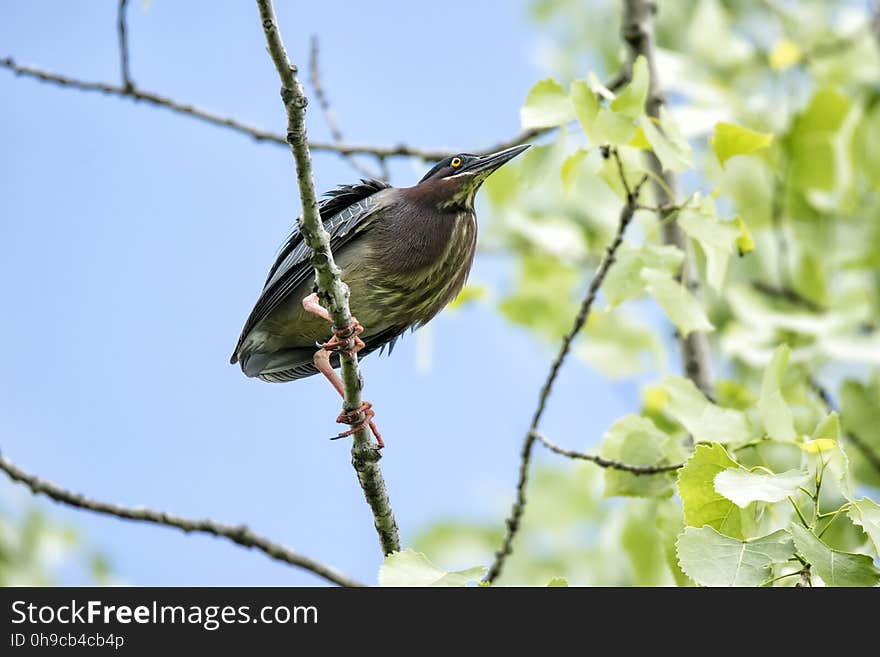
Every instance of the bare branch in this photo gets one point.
(331, 290)
(787, 294)
(516, 512)
(123, 46)
(804, 580)
(875, 21)
(137, 94)
(871, 455)
(239, 534)
(638, 32)
(603, 462)
(330, 115)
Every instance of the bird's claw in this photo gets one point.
(347, 339)
(357, 419)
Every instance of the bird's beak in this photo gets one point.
(488, 163)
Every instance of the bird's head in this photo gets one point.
(452, 183)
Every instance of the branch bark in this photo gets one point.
(123, 46)
(519, 505)
(603, 462)
(638, 33)
(330, 115)
(239, 534)
(141, 95)
(331, 290)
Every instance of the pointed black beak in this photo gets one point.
(488, 163)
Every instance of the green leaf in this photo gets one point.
(470, 293)
(703, 505)
(826, 440)
(743, 487)
(546, 106)
(745, 243)
(531, 306)
(717, 238)
(668, 144)
(537, 163)
(612, 128)
(679, 305)
(411, 568)
(558, 582)
(574, 166)
(860, 413)
(836, 568)
(623, 281)
(712, 39)
(618, 345)
(866, 514)
(813, 161)
(645, 539)
(503, 186)
(826, 112)
(633, 168)
(713, 559)
(586, 108)
(635, 440)
(670, 524)
(730, 140)
(812, 139)
(705, 421)
(828, 429)
(775, 414)
(631, 100)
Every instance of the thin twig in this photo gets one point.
(603, 462)
(123, 46)
(516, 512)
(788, 294)
(638, 33)
(805, 581)
(871, 455)
(239, 534)
(874, 23)
(329, 114)
(332, 292)
(138, 94)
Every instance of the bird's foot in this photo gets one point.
(347, 339)
(357, 419)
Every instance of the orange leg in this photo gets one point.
(345, 340)
(341, 338)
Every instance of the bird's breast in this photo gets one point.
(414, 271)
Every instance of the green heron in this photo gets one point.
(404, 252)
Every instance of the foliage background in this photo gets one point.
(139, 239)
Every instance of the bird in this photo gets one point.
(404, 253)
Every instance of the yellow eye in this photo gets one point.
(456, 162)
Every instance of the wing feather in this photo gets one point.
(343, 212)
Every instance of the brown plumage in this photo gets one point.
(404, 252)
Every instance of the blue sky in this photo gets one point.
(136, 240)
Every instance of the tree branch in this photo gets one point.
(239, 534)
(638, 32)
(601, 461)
(516, 512)
(330, 115)
(140, 95)
(331, 290)
(790, 295)
(123, 46)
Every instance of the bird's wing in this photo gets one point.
(343, 212)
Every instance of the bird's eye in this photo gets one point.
(456, 162)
